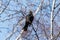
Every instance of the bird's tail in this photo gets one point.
(25, 27)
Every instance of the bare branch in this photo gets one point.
(53, 5)
(5, 7)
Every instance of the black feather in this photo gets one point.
(29, 20)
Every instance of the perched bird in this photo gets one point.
(29, 20)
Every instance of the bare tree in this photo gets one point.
(13, 15)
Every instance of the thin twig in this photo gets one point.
(35, 32)
(5, 7)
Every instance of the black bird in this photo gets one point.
(29, 20)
